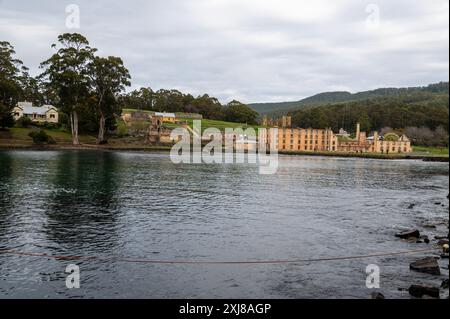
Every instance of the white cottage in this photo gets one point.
(46, 113)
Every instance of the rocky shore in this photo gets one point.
(435, 264)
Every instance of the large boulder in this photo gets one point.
(419, 291)
(408, 234)
(427, 265)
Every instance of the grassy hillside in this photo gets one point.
(221, 125)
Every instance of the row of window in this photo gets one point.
(394, 149)
(36, 116)
(310, 142)
(306, 135)
(307, 148)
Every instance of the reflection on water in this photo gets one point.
(140, 205)
(81, 207)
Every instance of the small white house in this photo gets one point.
(46, 113)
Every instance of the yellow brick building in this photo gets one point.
(307, 140)
(324, 140)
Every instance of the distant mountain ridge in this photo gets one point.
(278, 109)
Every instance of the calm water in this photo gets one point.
(139, 205)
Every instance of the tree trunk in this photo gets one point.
(74, 127)
(101, 129)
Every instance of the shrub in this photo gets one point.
(52, 126)
(122, 129)
(40, 137)
(24, 121)
(6, 118)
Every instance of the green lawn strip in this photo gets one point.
(430, 151)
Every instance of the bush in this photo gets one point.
(24, 121)
(51, 126)
(6, 118)
(424, 136)
(122, 129)
(40, 137)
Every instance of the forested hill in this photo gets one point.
(278, 109)
(421, 109)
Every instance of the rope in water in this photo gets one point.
(199, 262)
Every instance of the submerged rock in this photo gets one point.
(425, 239)
(408, 234)
(421, 290)
(444, 284)
(428, 265)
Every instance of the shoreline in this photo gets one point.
(425, 158)
(165, 148)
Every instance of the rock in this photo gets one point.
(444, 256)
(429, 226)
(411, 206)
(440, 237)
(408, 234)
(437, 203)
(443, 242)
(428, 265)
(377, 295)
(418, 241)
(426, 240)
(419, 291)
(445, 249)
(444, 284)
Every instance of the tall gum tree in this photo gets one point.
(108, 77)
(12, 74)
(67, 72)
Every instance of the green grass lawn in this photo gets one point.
(221, 125)
(435, 151)
(20, 134)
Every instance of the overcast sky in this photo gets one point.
(249, 50)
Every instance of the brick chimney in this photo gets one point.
(358, 131)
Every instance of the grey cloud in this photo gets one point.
(255, 51)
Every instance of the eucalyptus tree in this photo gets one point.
(67, 72)
(12, 73)
(108, 77)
